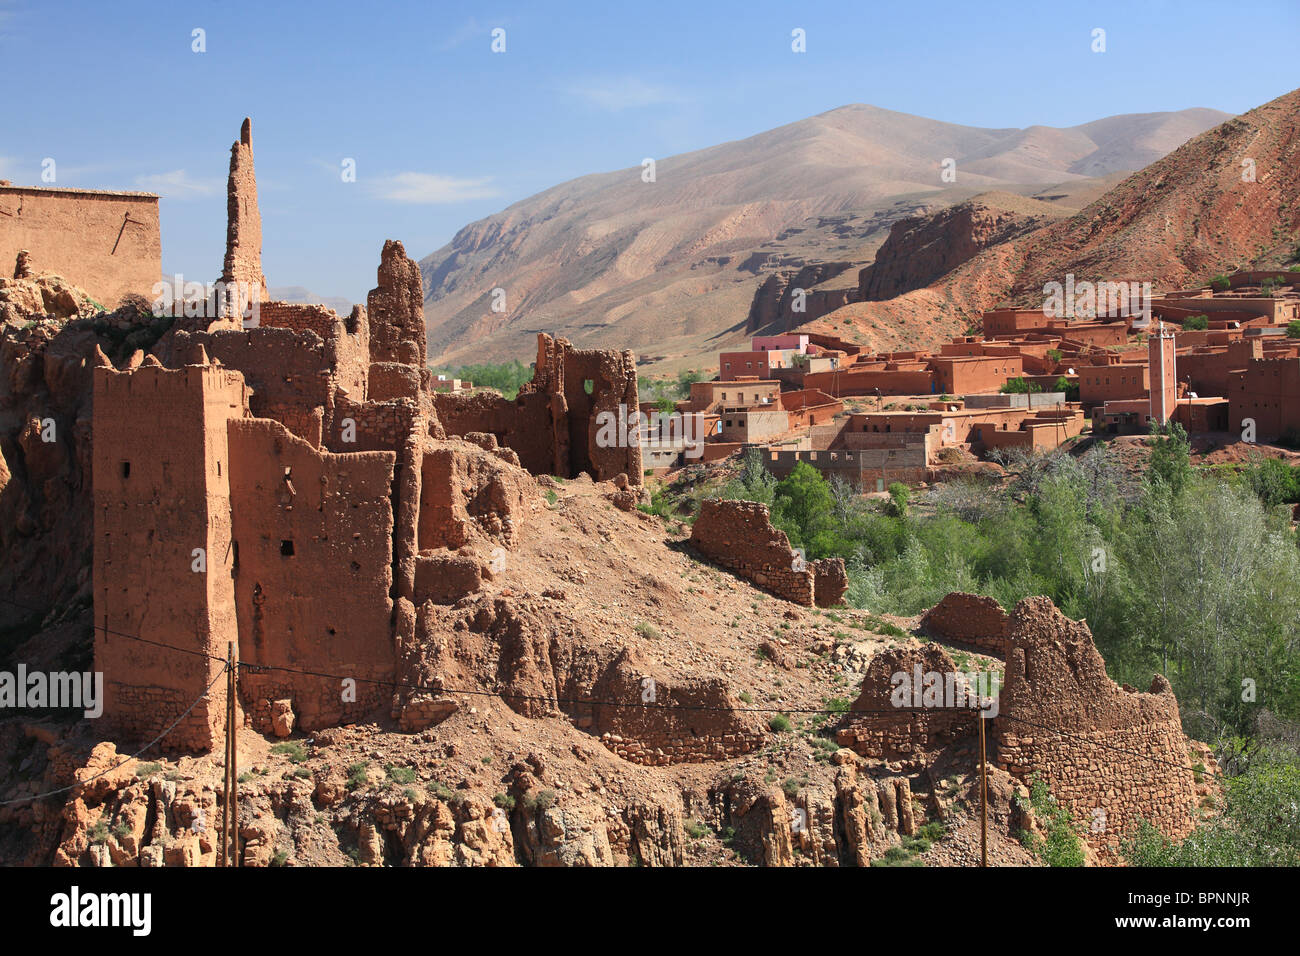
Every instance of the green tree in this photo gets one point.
(1020, 386)
(1259, 825)
(1171, 461)
(1196, 323)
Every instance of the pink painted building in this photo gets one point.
(768, 343)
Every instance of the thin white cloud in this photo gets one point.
(432, 188)
(623, 92)
(178, 184)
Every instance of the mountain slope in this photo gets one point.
(608, 259)
(1174, 223)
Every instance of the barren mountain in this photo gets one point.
(673, 265)
(1223, 200)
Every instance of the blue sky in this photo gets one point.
(444, 131)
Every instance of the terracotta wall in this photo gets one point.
(161, 488)
(313, 532)
(107, 243)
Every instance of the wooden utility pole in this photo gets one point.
(232, 701)
(228, 852)
(984, 798)
(225, 769)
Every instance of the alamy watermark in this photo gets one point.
(660, 431)
(952, 689)
(57, 689)
(213, 300)
(1083, 299)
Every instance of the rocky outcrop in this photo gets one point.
(777, 297)
(921, 249)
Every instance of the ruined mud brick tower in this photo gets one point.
(1111, 754)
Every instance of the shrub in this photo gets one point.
(1020, 386)
(544, 800)
(1061, 846)
(779, 724)
(1196, 323)
(292, 749)
(357, 776)
(442, 791)
(400, 775)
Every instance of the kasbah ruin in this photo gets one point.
(458, 639)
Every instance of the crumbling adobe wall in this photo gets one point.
(107, 243)
(467, 492)
(523, 425)
(613, 395)
(555, 425)
(288, 372)
(1057, 702)
(243, 262)
(880, 728)
(739, 536)
(298, 316)
(670, 720)
(313, 536)
(163, 553)
(830, 581)
(969, 619)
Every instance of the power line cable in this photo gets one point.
(134, 756)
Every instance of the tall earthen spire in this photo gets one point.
(243, 220)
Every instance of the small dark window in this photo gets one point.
(286, 548)
(126, 469)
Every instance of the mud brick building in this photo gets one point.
(298, 490)
(107, 243)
